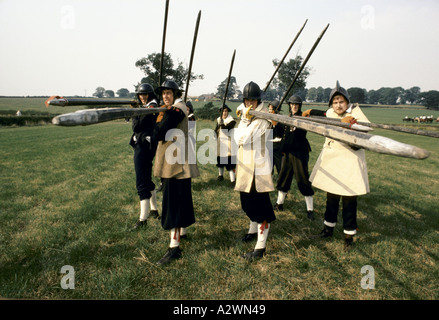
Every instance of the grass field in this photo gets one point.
(68, 198)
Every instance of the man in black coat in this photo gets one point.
(295, 150)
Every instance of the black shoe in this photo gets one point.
(220, 178)
(154, 214)
(184, 236)
(159, 188)
(278, 207)
(325, 233)
(348, 242)
(233, 184)
(249, 237)
(139, 224)
(254, 255)
(170, 255)
(310, 214)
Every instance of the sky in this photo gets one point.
(71, 47)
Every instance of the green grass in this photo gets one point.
(68, 197)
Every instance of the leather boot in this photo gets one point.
(170, 255)
(348, 242)
(325, 233)
(254, 255)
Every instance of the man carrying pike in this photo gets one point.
(253, 172)
(144, 152)
(341, 170)
(173, 167)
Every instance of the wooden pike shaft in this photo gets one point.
(162, 56)
(194, 42)
(357, 139)
(93, 116)
(338, 123)
(285, 55)
(229, 77)
(64, 102)
(384, 126)
(403, 129)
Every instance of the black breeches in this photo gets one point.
(293, 166)
(277, 156)
(143, 158)
(257, 205)
(349, 210)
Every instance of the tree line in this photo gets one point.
(150, 66)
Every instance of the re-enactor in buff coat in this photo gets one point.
(341, 170)
(173, 168)
(253, 173)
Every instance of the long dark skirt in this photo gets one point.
(257, 205)
(177, 204)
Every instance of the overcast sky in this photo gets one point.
(72, 47)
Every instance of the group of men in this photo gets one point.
(340, 169)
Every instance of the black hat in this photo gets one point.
(275, 104)
(338, 91)
(225, 107)
(172, 85)
(252, 91)
(145, 88)
(295, 100)
(190, 106)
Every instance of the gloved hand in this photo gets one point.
(349, 119)
(246, 114)
(306, 113)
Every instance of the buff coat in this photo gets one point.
(340, 169)
(180, 169)
(254, 163)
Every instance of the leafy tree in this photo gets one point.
(430, 99)
(285, 76)
(99, 93)
(232, 90)
(208, 112)
(411, 95)
(151, 67)
(109, 94)
(373, 96)
(123, 92)
(357, 95)
(319, 94)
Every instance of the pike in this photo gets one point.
(93, 116)
(335, 122)
(388, 127)
(285, 55)
(192, 55)
(163, 42)
(357, 139)
(229, 77)
(68, 102)
(296, 76)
